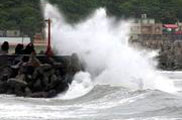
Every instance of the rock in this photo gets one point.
(28, 92)
(53, 82)
(5, 73)
(37, 86)
(4, 77)
(10, 91)
(37, 72)
(45, 80)
(68, 78)
(19, 91)
(46, 67)
(16, 86)
(16, 82)
(58, 65)
(39, 80)
(3, 87)
(33, 61)
(14, 72)
(52, 93)
(75, 63)
(61, 86)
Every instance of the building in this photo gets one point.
(151, 29)
(40, 43)
(145, 27)
(2, 33)
(13, 33)
(10, 33)
(14, 37)
(13, 41)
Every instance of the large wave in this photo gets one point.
(80, 86)
(102, 45)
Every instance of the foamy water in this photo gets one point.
(81, 85)
(120, 83)
(101, 103)
(102, 45)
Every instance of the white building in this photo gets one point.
(145, 26)
(13, 41)
(13, 33)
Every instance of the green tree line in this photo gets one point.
(165, 11)
(26, 15)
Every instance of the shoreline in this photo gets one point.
(170, 50)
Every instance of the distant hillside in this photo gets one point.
(26, 15)
(165, 11)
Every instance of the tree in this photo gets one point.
(26, 14)
(21, 14)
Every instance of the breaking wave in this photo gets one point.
(102, 45)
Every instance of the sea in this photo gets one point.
(103, 102)
(120, 82)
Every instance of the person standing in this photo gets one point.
(4, 48)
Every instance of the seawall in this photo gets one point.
(37, 76)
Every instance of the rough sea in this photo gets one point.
(101, 103)
(121, 82)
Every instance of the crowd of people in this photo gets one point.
(19, 49)
(25, 74)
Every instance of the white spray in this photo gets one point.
(101, 44)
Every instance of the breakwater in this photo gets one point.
(37, 76)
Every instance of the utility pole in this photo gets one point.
(49, 52)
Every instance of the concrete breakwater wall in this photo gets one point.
(37, 76)
(169, 46)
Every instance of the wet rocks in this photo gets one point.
(39, 77)
(170, 50)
